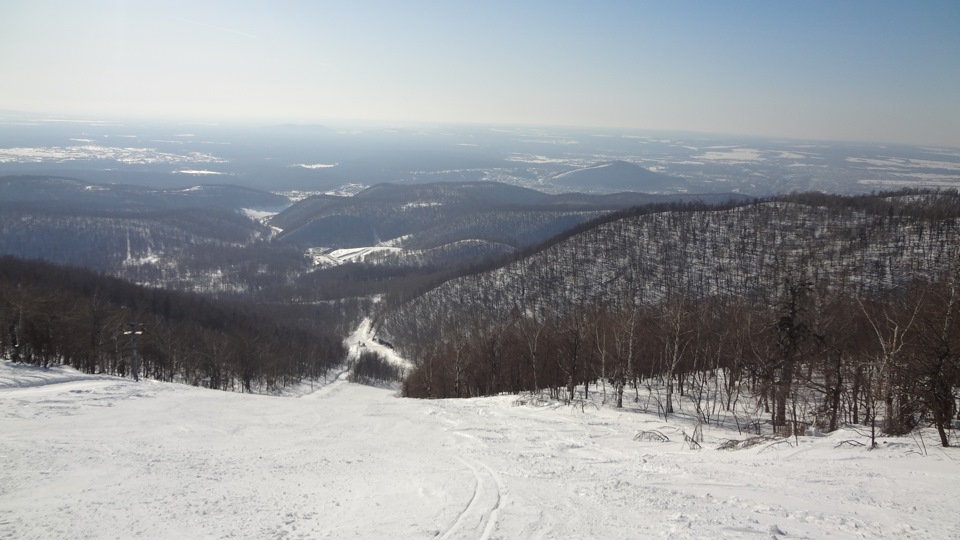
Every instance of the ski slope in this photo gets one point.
(364, 339)
(102, 457)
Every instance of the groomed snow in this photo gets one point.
(364, 339)
(101, 457)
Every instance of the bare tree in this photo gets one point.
(937, 363)
(891, 323)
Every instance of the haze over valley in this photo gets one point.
(346, 158)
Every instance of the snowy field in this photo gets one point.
(101, 457)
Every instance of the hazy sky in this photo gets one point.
(867, 70)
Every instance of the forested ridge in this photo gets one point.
(824, 309)
(193, 238)
(204, 238)
(423, 216)
(61, 315)
(819, 309)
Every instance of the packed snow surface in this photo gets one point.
(101, 457)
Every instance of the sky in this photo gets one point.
(870, 70)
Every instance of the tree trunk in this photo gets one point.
(855, 394)
(668, 409)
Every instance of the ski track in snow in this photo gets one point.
(102, 457)
(483, 506)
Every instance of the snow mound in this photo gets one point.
(26, 376)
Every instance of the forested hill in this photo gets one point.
(869, 244)
(619, 175)
(215, 239)
(193, 238)
(51, 315)
(82, 196)
(826, 304)
(423, 216)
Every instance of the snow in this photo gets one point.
(131, 156)
(334, 257)
(900, 163)
(257, 215)
(347, 190)
(734, 155)
(592, 168)
(295, 196)
(551, 140)
(149, 258)
(364, 339)
(908, 182)
(197, 172)
(102, 457)
(537, 158)
(792, 155)
(420, 204)
(396, 242)
(315, 165)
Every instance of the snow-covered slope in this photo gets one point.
(364, 339)
(96, 457)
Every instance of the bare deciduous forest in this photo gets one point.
(58, 315)
(824, 310)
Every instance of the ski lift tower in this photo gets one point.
(133, 330)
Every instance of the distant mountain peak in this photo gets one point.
(618, 175)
